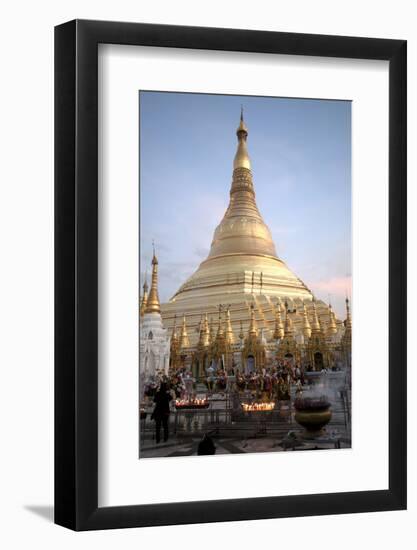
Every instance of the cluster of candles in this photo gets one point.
(258, 406)
(194, 402)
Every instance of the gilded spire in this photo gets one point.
(211, 331)
(253, 331)
(242, 229)
(174, 346)
(152, 304)
(144, 298)
(347, 336)
(241, 335)
(242, 156)
(331, 327)
(145, 283)
(204, 332)
(279, 327)
(200, 336)
(230, 339)
(288, 329)
(305, 326)
(199, 327)
(315, 325)
(220, 331)
(184, 341)
(348, 318)
(174, 335)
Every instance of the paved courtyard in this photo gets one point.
(234, 431)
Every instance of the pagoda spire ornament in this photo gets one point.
(152, 304)
(348, 318)
(144, 297)
(305, 325)
(288, 327)
(200, 343)
(204, 338)
(253, 330)
(220, 331)
(241, 334)
(211, 331)
(184, 340)
(230, 338)
(174, 335)
(279, 327)
(174, 346)
(242, 156)
(315, 325)
(331, 327)
(347, 336)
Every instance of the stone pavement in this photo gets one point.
(247, 436)
(237, 446)
(240, 432)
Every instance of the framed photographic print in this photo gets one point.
(230, 275)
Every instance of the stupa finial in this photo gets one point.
(242, 156)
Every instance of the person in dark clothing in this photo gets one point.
(206, 446)
(161, 411)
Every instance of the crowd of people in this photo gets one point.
(270, 381)
(273, 380)
(180, 385)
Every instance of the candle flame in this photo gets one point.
(192, 402)
(247, 407)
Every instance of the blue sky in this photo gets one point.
(300, 152)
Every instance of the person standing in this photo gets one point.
(161, 411)
(189, 385)
(210, 377)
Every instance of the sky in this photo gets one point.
(300, 152)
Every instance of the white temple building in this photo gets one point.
(154, 342)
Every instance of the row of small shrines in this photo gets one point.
(315, 347)
(313, 344)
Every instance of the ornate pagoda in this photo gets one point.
(265, 312)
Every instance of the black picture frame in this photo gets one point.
(76, 272)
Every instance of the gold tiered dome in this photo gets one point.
(242, 256)
(242, 229)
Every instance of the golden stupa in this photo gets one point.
(242, 268)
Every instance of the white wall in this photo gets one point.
(26, 299)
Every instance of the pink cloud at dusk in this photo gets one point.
(337, 288)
